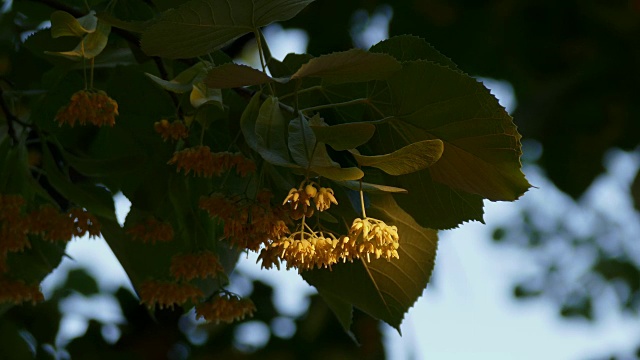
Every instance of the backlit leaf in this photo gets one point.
(64, 24)
(202, 26)
(201, 94)
(411, 158)
(185, 80)
(91, 45)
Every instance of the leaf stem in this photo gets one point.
(364, 213)
(258, 36)
(91, 72)
(306, 90)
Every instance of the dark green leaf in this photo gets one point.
(344, 136)
(105, 167)
(235, 75)
(409, 48)
(248, 121)
(353, 65)
(411, 158)
(270, 133)
(202, 26)
(302, 142)
(384, 289)
(338, 173)
(95, 199)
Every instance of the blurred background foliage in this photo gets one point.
(573, 66)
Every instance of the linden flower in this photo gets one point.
(324, 198)
(86, 106)
(17, 292)
(205, 163)
(151, 231)
(201, 265)
(373, 236)
(168, 294)
(51, 224)
(14, 226)
(174, 131)
(225, 307)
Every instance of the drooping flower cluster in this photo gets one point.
(225, 307)
(174, 131)
(306, 248)
(248, 225)
(151, 231)
(46, 222)
(200, 265)
(165, 294)
(17, 291)
(299, 200)
(202, 162)
(94, 107)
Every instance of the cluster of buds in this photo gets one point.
(247, 224)
(174, 131)
(151, 231)
(225, 307)
(200, 265)
(202, 162)
(93, 107)
(165, 294)
(46, 222)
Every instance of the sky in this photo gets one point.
(467, 312)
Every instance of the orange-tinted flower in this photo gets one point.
(14, 225)
(84, 222)
(168, 294)
(202, 162)
(225, 307)
(93, 107)
(51, 224)
(17, 292)
(174, 131)
(151, 231)
(201, 265)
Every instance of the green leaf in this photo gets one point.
(90, 46)
(95, 199)
(344, 136)
(353, 65)
(270, 132)
(409, 48)
(201, 94)
(64, 24)
(288, 66)
(202, 26)
(342, 309)
(384, 289)
(185, 80)
(248, 121)
(371, 188)
(235, 75)
(302, 142)
(411, 158)
(136, 26)
(338, 173)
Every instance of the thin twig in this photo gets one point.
(11, 118)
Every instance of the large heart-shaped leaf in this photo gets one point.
(384, 289)
(202, 26)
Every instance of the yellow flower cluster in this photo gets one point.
(306, 250)
(168, 294)
(300, 200)
(174, 131)
(93, 107)
(17, 292)
(151, 231)
(225, 307)
(205, 163)
(247, 225)
(201, 265)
